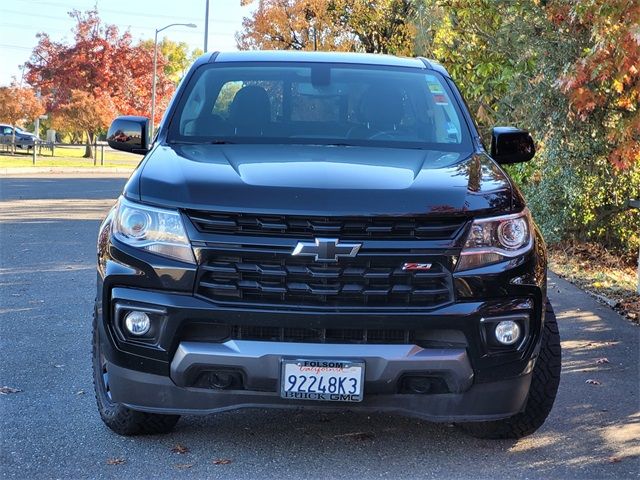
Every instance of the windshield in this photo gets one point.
(318, 103)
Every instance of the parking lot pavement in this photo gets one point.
(51, 428)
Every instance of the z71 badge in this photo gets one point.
(416, 266)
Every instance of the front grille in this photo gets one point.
(323, 335)
(378, 227)
(280, 279)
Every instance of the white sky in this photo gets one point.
(21, 20)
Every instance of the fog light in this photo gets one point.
(507, 332)
(137, 323)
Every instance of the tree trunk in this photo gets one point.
(13, 140)
(88, 152)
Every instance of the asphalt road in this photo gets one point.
(51, 428)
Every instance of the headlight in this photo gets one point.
(492, 240)
(154, 229)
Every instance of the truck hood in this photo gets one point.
(318, 180)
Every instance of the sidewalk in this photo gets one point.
(13, 171)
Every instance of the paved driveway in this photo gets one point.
(52, 430)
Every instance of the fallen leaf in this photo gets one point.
(221, 461)
(80, 392)
(183, 466)
(4, 390)
(614, 459)
(115, 461)
(602, 360)
(180, 449)
(59, 365)
(591, 381)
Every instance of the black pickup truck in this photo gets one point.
(327, 231)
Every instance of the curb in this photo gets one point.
(55, 170)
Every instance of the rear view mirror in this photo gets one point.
(129, 134)
(511, 145)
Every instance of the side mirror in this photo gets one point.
(129, 134)
(511, 145)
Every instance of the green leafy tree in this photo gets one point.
(380, 26)
(176, 57)
(568, 71)
(487, 48)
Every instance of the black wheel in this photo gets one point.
(542, 393)
(116, 416)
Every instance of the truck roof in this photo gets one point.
(323, 57)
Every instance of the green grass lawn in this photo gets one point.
(68, 157)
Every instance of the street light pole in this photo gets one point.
(206, 27)
(153, 83)
(155, 69)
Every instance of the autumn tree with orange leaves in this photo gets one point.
(373, 26)
(294, 25)
(100, 66)
(607, 75)
(86, 114)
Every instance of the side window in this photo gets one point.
(8, 131)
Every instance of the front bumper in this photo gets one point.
(160, 394)
(160, 378)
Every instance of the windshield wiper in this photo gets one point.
(203, 142)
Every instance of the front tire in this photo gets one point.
(542, 392)
(122, 420)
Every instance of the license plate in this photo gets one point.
(330, 380)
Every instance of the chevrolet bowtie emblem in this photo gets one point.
(326, 249)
